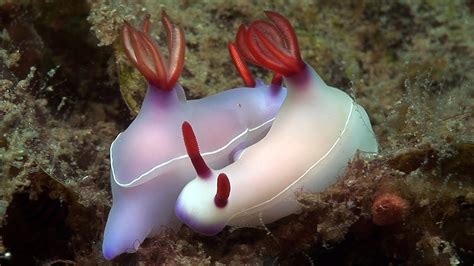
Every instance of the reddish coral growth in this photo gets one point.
(389, 208)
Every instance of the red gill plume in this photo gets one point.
(274, 46)
(192, 149)
(242, 68)
(240, 54)
(176, 48)
(146, 23)
(145, 54)
(277, 80)
(223, 191)
(242, 45)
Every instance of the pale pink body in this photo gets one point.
(314, 136)
(149, 164)
(149, 161)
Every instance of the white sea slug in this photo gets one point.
(149, 164)
(317, 132)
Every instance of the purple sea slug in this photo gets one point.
(149, 163)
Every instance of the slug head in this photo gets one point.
(203, 203)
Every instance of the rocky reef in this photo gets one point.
(66, 90)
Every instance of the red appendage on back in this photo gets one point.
(241, 54)
(145, 54)
(274, 46)
(239, 63)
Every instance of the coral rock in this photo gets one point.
(389, 208)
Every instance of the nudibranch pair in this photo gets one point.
(149, 162)
(317, 131)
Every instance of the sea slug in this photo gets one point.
(317, 132)
(149, 164)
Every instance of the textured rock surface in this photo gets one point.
(66, 90)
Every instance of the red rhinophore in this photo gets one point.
(242, 68)
(192, 149)
(145, 54)
(223, 191)
(275, 46)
